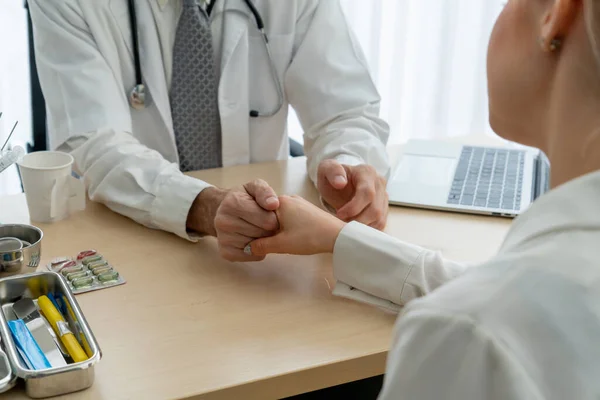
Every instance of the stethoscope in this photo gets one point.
(137, 96)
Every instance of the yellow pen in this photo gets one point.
(82, 339)
(62, 329)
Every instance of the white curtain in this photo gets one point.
(15, 103)
(428, 59)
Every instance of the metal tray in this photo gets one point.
(52, 381)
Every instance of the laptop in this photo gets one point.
(439, 175)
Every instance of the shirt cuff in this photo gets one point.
(349, 292)
(173, 202)
(375, 266)
(349, 160)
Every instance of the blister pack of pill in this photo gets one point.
(86, 272)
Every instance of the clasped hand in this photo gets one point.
(244, 215)
(251, 212)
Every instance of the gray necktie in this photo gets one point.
(194, 92)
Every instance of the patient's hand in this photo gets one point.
(303, 229)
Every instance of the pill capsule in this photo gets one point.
(82, 282)
(86, 253)
(67, 271)
(102, 270)
(77, 275)
(108, 276)
(90, 259)
(97, 264)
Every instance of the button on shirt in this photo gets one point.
(525, 325)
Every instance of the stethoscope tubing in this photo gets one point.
(137, 96)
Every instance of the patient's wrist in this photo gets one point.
(201, 217)
(332, 232)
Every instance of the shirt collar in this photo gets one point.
(571, 206)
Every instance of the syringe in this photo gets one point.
(10, 157)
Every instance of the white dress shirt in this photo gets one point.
(524, 325)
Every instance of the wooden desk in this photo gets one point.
(190, 325)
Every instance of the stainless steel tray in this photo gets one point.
(7, 379)
(52, 381)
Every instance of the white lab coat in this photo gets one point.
(129, 158)
(523, 326)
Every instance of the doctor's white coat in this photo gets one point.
(129, 158)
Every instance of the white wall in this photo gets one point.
(14, 83)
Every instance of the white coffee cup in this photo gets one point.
(52, 192)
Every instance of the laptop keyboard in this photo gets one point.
(490, 178)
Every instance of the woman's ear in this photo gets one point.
(557, 22)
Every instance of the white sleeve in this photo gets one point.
(119, 171)
(329, 85)
(444, 356)
(373, 267)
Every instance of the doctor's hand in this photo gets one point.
(357, 193)
(238, 216)
(304, 229)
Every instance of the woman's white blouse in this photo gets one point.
(524, 325)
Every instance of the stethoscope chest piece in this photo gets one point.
(137, 98)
